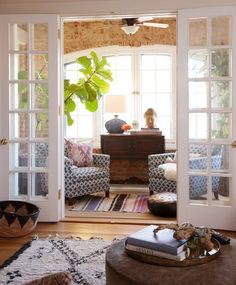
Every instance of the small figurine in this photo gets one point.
(150, 116)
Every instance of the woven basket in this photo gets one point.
(17, 218)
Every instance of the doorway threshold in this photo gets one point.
(137, 221)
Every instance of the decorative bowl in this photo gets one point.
(17, 218)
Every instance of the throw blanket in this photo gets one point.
(170, 172)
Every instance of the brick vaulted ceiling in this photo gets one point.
(81, 35)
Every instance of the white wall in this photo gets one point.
(103, 7)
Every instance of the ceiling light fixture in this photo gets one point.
(130, 30)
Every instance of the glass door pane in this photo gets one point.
(210, 109)
(28, 112)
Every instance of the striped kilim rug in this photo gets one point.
(133, 203)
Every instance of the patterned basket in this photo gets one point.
(17, 218)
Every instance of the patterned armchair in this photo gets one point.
(198, 184)
(157, 180)
(80, 181)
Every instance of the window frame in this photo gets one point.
(135, 52)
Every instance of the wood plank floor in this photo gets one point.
(108, 231)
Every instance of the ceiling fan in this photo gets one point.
(131, 25)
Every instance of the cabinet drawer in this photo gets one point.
(132, 146)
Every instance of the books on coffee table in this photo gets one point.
(163, 241)
(177, 257)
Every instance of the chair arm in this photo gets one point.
(198, 162)
(101, 160)
(68, 164)
(201, 162)
(154, 160)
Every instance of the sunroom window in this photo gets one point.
(145, 76)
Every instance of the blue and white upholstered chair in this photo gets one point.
(80, 181)
(197, 184)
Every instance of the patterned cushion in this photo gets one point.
(61, 278)
(80, 153)
(88, 173)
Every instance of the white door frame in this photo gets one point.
(51, 205)
(215, 216)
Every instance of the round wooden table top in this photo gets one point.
(125, 270)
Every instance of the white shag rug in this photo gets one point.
(84, 259)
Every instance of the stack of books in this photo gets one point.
(161, 244)
(147, 131)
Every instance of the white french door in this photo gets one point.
(29, 119)
(207, 117)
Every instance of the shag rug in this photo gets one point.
(84, 259)
(131, 203)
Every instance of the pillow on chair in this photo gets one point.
(170, 171)
(80, 152)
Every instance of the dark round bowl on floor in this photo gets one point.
(17, 218)
(162, 204)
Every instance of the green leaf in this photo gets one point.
(73, 88)
(85, 72)
(95, 59)
(71, 105)
(102, 84)
(66, 84)
(67, 94)
(91, 91)
(105, 73)
(85, 62)
(70, 121)
(92, 106)
(81, 81)
(82, 93)
(103, 62)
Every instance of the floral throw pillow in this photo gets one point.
(80, 152)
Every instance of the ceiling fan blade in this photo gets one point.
(155, 25)
(144, 19)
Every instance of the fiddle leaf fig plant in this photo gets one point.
(93, 84)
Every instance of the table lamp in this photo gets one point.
(115, 104)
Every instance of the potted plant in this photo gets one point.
(90, 87)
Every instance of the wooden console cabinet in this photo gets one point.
(132, 147)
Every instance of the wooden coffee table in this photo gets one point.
(122, 269)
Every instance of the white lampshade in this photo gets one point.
(115, 104)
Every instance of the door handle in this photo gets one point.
(233, 144)
(3, 141)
